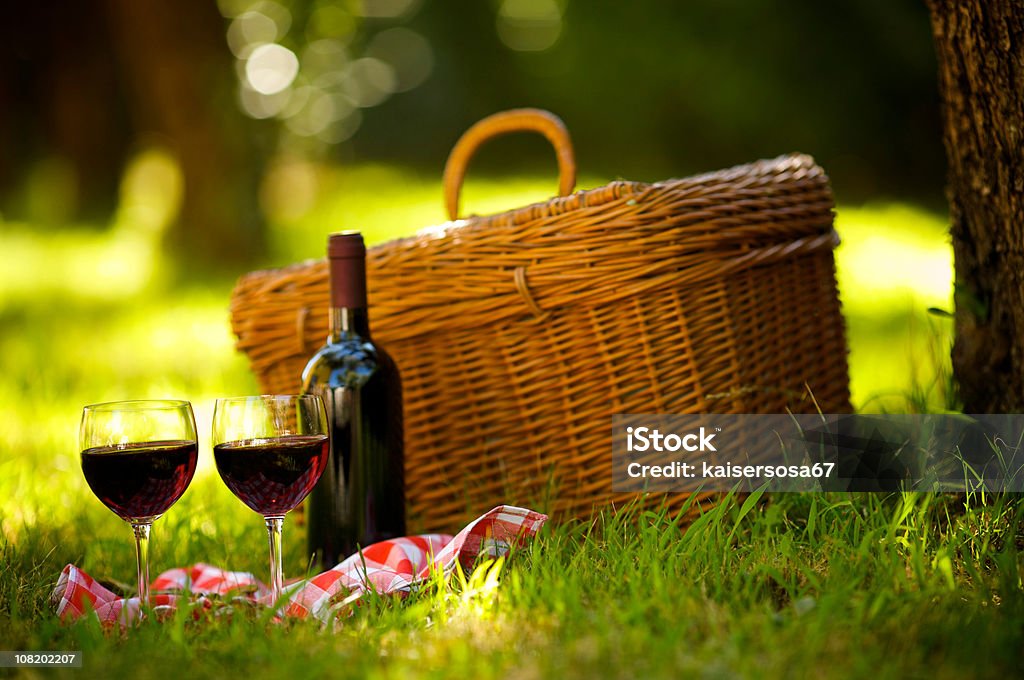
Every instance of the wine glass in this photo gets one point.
(270, 450)
(138, 458)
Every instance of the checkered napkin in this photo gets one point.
(394, 566)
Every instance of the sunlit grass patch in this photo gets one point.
(45, 265)
(893, 257)
(894, 263)
(68, 266)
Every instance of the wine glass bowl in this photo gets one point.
(138, 457)
(140, 481)
(272, 475)
(270, 451)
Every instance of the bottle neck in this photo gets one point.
(347, 322)
(348, 315)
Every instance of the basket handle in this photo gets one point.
(496, 125)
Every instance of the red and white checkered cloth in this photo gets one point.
(393, 566)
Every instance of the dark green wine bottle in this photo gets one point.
(360, 499)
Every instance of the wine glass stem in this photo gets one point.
(274, 524)
(142, 553)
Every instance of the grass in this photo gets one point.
(806, 585)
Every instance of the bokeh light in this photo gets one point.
(314, 117)
(529, 25)
(407, 52)
(271, 68)
(258, 105)
(248, 30)
(152, 189)
(330, 21)
(342, 129)
(314, 70)
(387, 9)
(289, 189)
(369, 81)
(324, 57)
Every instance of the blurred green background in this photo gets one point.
(153, 152)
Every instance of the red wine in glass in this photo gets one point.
(140, 480)
(270, 451)
(272, 475)
(138, 457)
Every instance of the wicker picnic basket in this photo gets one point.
(518, 335)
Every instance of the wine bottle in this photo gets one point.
(360, 499)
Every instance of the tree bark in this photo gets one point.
(980, 48)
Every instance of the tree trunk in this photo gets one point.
(59, 99)
(980, 47)
(178, 71)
